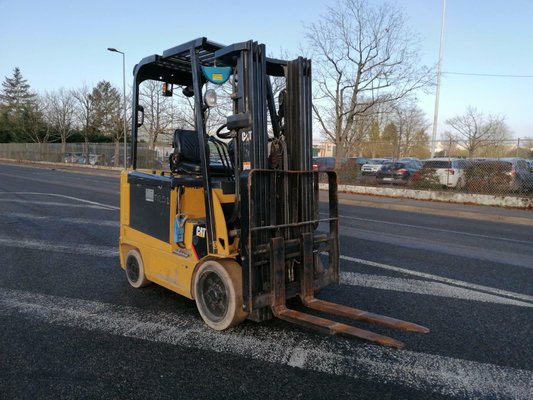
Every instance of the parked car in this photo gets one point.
(519, 171)
(72, 157)
(359, 161)
(451, 171)
(94, 159)
(120, 160)
(416, 160)
(373, 166)
(323, 163)
(399, 172)
(502, 175)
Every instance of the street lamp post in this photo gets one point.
(439, 73)
(124, 101)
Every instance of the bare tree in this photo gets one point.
(33, 123)
(412, 125)
(475, 130)
(363, 56)
(84, 114)
(61, 114)
(158, 116)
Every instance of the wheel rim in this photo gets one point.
(214, 296)
(132, 269)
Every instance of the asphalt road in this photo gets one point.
(72, 327)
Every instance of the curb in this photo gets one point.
(525, 203)
(522, 203)
(445, 213)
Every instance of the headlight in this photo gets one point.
(210, 98)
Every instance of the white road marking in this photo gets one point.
(53, 203)
(94, 203)
(420, 371)
(59, 182)
(446, 288)
(85, 249)
(424, 288)
(421, 227)
(442, 279)
(83, 221)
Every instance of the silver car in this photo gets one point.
(373, 166)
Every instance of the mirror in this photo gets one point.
(188, 91)
(140, 116)
(167, 89)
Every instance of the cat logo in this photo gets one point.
(200, 231)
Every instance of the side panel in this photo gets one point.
(147, 214)
(150, 210)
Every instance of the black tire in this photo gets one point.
(135, 270)
(218, 293)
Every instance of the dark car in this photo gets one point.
(323, 163)
(399, 172)
(502, 175)
(360, 161)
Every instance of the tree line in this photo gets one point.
(86, 114)
(77, 115)
(366, 71)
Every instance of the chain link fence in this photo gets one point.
(96, 154)
(503, 168)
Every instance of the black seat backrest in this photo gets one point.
(186, 155)
(186, 146)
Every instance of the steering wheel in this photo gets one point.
(223, 135)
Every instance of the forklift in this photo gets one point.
(233, 222)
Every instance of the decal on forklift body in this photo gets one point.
(181, 253)
(149, 195)
(200, 231)
(199, 240)
(246, 165)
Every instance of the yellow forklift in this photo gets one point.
(234, 221)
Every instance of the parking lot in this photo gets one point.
(507, 176)
(72, 327)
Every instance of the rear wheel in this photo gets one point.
(135, 270)
(218, 293)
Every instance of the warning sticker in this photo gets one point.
(150, 195)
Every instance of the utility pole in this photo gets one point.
(124, 89)
(439, 73)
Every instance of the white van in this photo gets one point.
(451, 171)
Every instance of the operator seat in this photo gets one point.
(186, 155)
(185, 158)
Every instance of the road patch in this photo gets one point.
(420, 371)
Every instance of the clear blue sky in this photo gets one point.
(59, 43)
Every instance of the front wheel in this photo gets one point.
(135, 270)
(218, 293)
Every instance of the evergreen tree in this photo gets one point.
(107, 117)
(106, 100)
(16, 102)
(16, 96)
